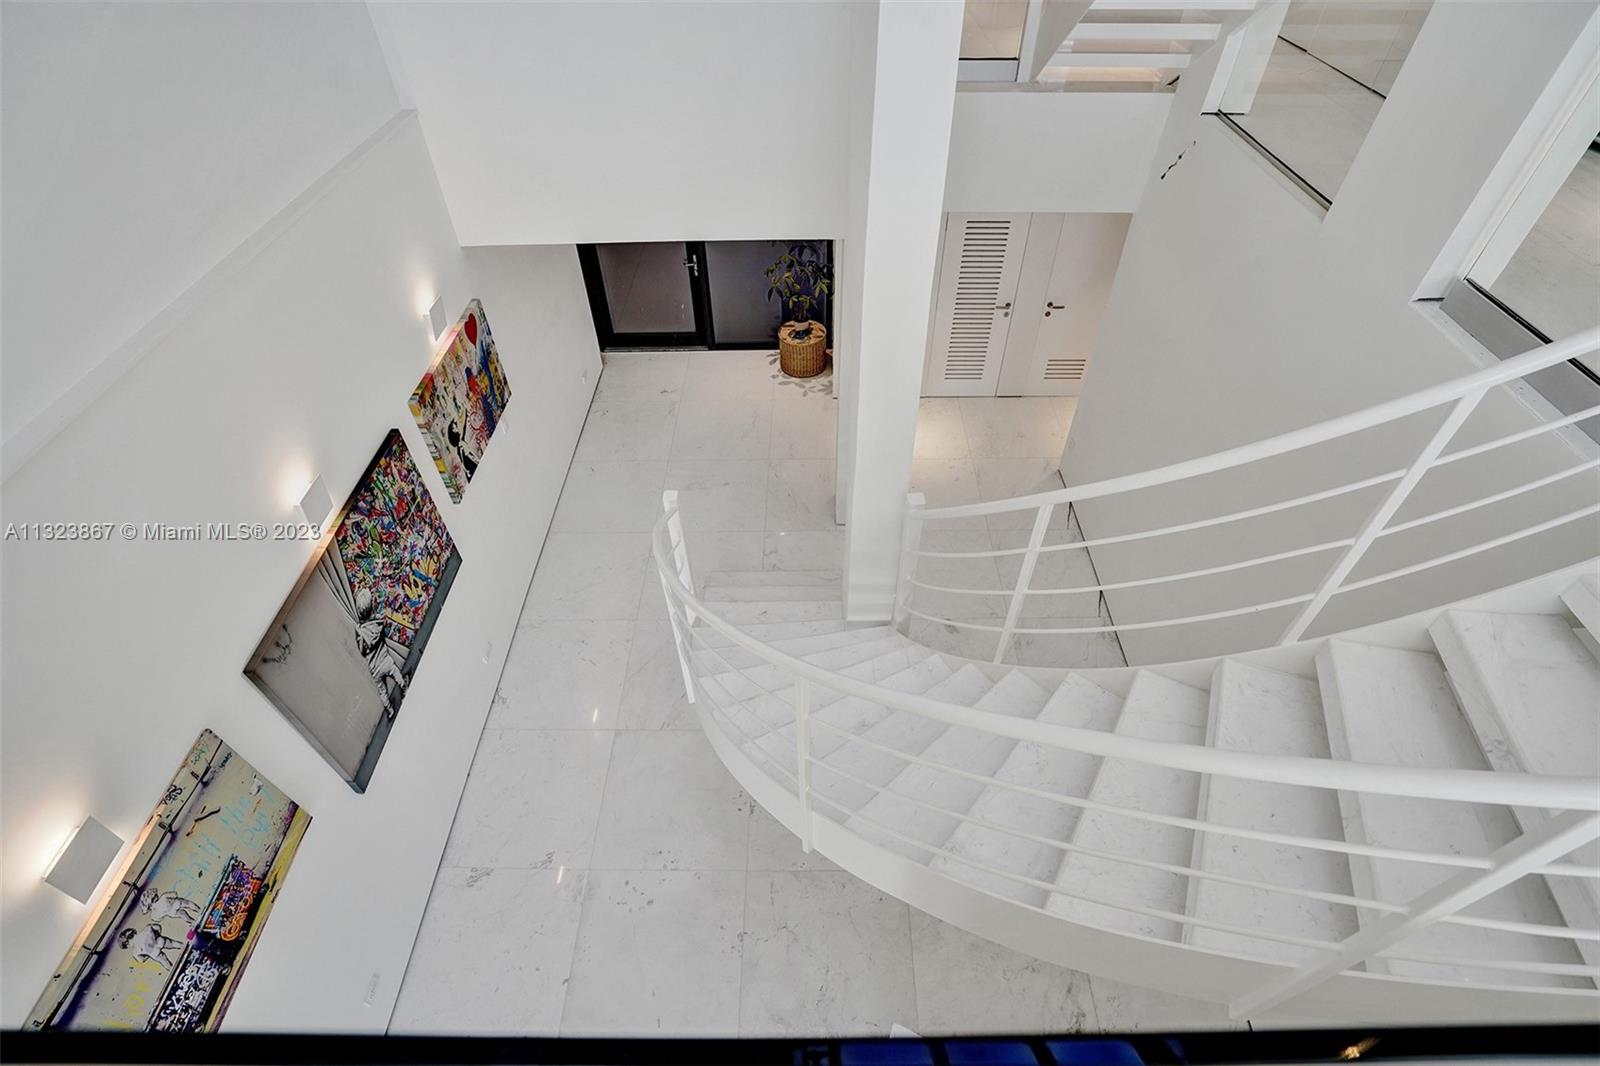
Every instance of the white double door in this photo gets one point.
(1018, 302)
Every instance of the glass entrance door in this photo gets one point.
(690, 294)
(647, 294)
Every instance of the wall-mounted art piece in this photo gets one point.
(461, 398)
(166, 947)
(339, 658)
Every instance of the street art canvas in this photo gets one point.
(460, 399)
(339, 658)
(165, 949)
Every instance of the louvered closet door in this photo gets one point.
(972, 314)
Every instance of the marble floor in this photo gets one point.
(605, 875)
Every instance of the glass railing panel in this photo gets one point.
(1552, 278)
(1307, 92)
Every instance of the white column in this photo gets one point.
(897, 176)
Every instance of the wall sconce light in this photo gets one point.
(316, 503)
(83, 860)
(436, 320)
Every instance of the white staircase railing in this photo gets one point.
(777, 689)
(1462, 395)
(757, 702)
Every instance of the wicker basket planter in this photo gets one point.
(802, 358)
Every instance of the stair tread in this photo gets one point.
(853, 713)
(749, 683)
(1534, 689)
(1015, 695)
(758, 713)
(1583, 600)
(1157, 708)
(773, 632)
(1078, 703)
(742, 612)
(1265, 711)
(724, 659)
(1393, 706)
(900, 730)
(1530, 691)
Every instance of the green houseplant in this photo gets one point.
(801, 279)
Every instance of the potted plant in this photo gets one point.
(801, 279)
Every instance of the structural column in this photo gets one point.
(900, 148)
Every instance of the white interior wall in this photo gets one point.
(1016, 148)
(698, 120)
(143, 142)
(1241, 311)
(298, 360)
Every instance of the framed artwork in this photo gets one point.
(165, 949)
(460, 399)
(340, 655)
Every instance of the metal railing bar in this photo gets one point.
(1518, 366)
(1176, 821)
(1185, 527)
(1482, 986)
(1211, 616)
(1556, 932)
(1149, 912)
(1234, 516)
(1207, 572)
(1475, 786)
(1559, 969)
(763, 693)
(1472, 505)
(954, 622)
(1450, 557)
(1367, 534)
(1514, 438)
(964, 592)
(1151, 864)
(1556, 836)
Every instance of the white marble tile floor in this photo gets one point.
(605, 875)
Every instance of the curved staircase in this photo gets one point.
(1397, 823)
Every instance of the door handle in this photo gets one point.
(1005, 308)
(693, 263)
(1048, 307)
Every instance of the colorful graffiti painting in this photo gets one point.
(167, 946)
(230, 904)
(460, 399)
(340, 655)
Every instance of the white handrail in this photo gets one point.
(1520, 366)
(1473, 786)
(778, 705)
(779, 725)
(1462, 394)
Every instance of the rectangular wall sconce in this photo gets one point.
(83, 860)
(436, 319)
(316, 503)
